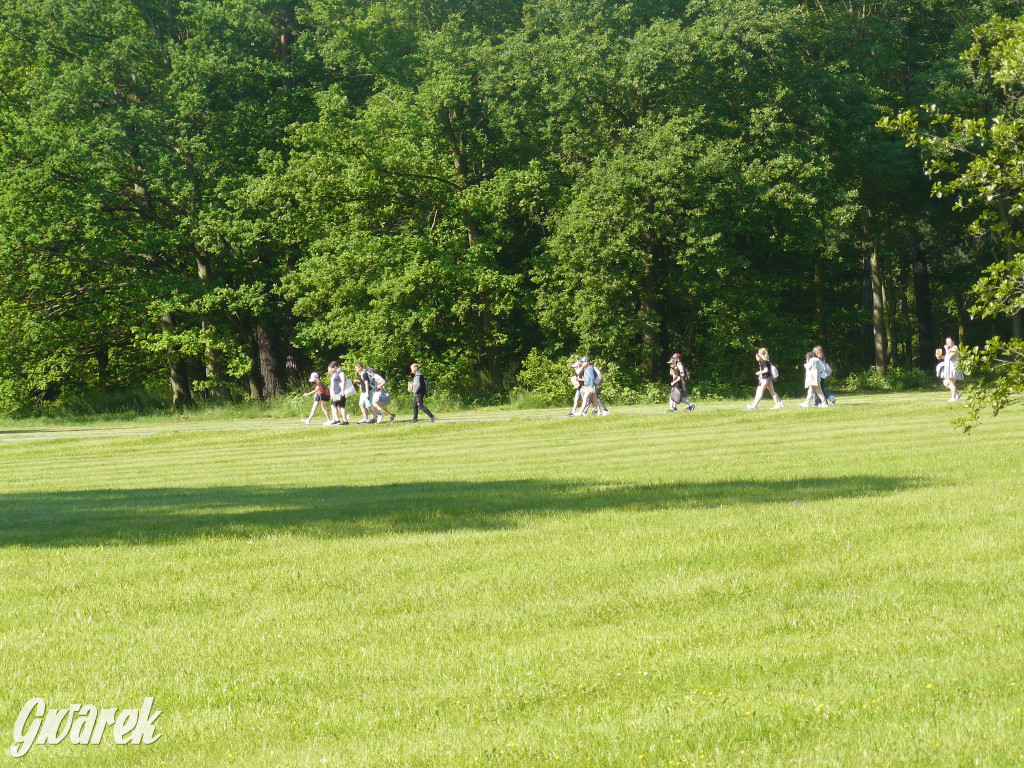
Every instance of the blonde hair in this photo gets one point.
(762, 352)
(818, 352)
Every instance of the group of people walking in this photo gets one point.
(373, 395)
(816, 370)
(586, 380)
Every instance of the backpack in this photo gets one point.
(321, 388)
(425, 384)
(775, 372)
(685, 373)
(598, 378)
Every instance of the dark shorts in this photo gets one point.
(338, 400)
(320, 398)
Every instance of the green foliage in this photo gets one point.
(977, 161)
(895, 379)
(224, 193)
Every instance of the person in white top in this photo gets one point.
(812, 380)
(952, 372)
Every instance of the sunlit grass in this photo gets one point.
(825, 587)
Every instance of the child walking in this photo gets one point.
(320, 395)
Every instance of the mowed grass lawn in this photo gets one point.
(834, 587)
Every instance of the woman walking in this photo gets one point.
(812, 381)
(766, 373)
(677, 394)
(951, 369)
(826, 371)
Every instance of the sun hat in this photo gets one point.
(674, 357)
(313, 377)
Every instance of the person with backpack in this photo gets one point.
(680, 375)
(365, 388)
(339, 394)
(379, 398)
(418, 390)
(766, 374)
(320, 395)
(812, 381)
(826, 371)
(589, 389)
(598, 381)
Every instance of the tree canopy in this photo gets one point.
(219, 194)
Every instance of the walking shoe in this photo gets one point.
(822, 405)
(831, 399)
(672, 410)
(432, 419)
(691, 406)
(344, 423)
(392, 420)
(328, 423)
(805, 405)
(380, 418)
(751, 407)
(305, 421)
(605, 412)
(778, 405)
(415, 420)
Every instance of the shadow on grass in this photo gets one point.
(149, 515)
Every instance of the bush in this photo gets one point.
(542, 381)
(894, 380)
(545, 382)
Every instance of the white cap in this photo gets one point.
(313, 377)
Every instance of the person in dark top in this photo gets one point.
(365, 386)
(418, 389)
(765, 377)
(677, 391)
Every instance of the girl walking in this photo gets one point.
(812, 381)
(766, 373)
(321, 395)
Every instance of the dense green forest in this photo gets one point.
(224, 193)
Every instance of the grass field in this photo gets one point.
(835, 587)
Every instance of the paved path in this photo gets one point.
(22, 435)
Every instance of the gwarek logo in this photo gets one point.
(82, 724)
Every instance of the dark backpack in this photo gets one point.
(425, 384)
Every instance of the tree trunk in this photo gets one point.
(819, 301)
(889, 313)
(923, 305)
(865, 303)
(877, 310)
(181, 391)
(1018, 324)
(214, 370)
(649, 330)
(268, 362)
(102, 362)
